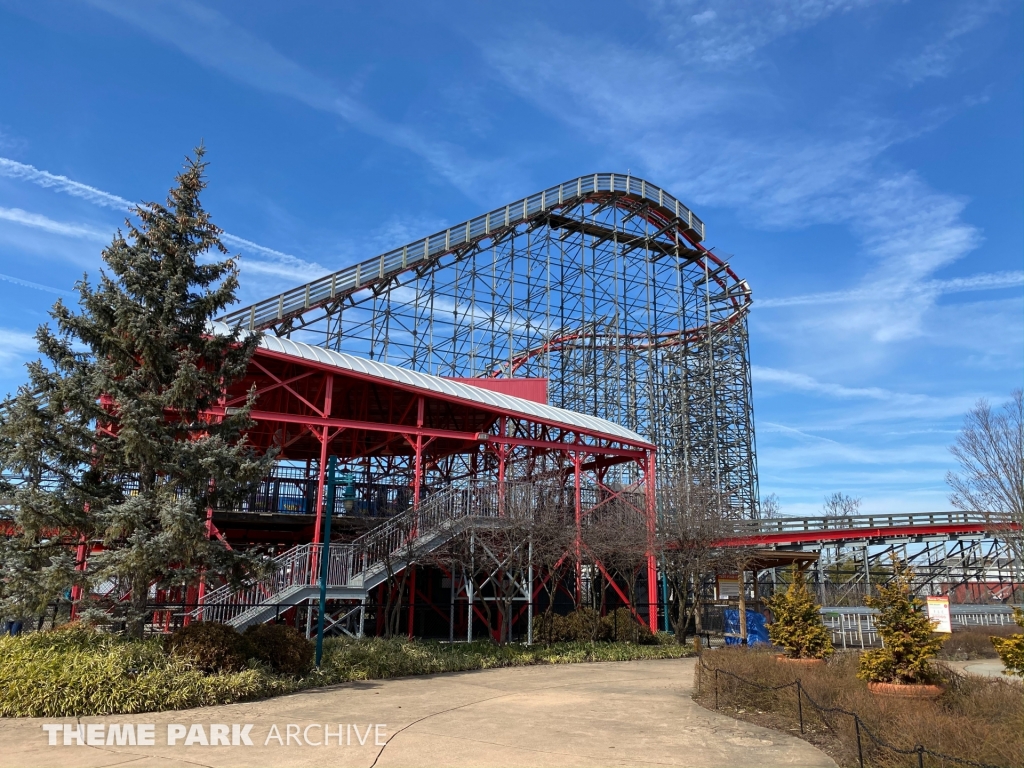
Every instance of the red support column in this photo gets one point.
(76, 591)
(652, 522)
(417, 470)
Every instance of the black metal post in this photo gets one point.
(325, 554)
(716, 687)
(860, 751)
(920, 756)
(800, 704)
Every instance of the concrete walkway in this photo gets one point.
(624, 714)
(981, 667)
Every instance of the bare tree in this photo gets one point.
(838, 506)
(693, 520)
(770, 507)
(990, 451)
(616, 538)
(554, 533)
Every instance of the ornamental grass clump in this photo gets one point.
(910, 642)
(796, 625)
(1011, 649)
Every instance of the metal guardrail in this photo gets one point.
(380, 268)
(854, 627)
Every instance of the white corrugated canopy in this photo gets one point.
(440, 385)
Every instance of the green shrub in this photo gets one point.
(280, 647)
(551, 628)
(75, 671)
(211, 647)
(1011, 649)
(906, 631)
(796, 624)
(622, 626)
(586, 625)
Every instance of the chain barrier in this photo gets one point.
(858, 724)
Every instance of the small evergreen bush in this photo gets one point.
(280, 647)
(796, 624)
(1011, 649)
(906, 630)
(211, 647)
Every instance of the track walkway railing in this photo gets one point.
(380, 269)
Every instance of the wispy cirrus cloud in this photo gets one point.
(210, 38)
(12, 169)
(262, 260)
(46, 224)
(937, 58)
(15, 345)
(718, 34)
(930, 288)
(710, 145)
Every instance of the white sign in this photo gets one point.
(938, 612)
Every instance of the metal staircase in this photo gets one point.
(353, 569)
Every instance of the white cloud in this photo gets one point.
(15, 346)
(38, 221)
(15, 170)
(708, 145)
(210, 38)
(980, 282)
(734, 31)
(261, 260)
(938, 57)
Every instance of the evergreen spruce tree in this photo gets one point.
(907, 632)
(111, 440)
(1011, 649)
(796, 623)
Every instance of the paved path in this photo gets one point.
(623, 714)
(982, 667)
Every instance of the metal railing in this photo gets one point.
(351, 279)
(370, 554)
(295, 567)
(854, 627)
(854, 522)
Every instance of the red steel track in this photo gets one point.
(797, 532)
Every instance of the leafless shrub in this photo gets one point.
(976, 718)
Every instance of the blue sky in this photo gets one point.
(862, 161)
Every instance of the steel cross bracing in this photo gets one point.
(601, 285)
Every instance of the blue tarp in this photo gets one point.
(757, 632)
